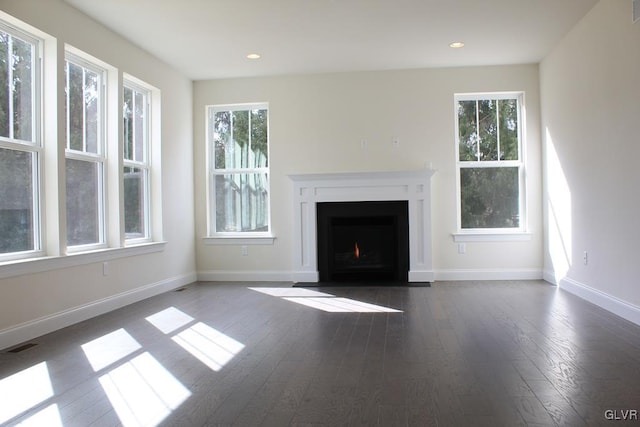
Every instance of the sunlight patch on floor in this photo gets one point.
(342, 305)
(325, 302)
(142, 391)
(24, 390)
(49, 416)
(170, 320)
(291, 292)
(211, 347)
(110, 348)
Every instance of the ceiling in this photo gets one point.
(209, 39)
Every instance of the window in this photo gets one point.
(136, 161)
(20, 147)
(85, 152)
(490, 163)
(238, 138)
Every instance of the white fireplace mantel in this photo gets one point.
(412, 186)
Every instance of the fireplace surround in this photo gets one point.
(414, 187)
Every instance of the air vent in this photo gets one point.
(21, 348)
(636, 10)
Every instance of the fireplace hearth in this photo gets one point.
(363, 241)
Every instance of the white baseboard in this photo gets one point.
(610, 303)
(415, 276)
(549, 276)
(516, 274)
(245, 276)
(32, 329)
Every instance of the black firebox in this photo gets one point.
(363, 241)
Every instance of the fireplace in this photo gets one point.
(411, 187)
(363, 241)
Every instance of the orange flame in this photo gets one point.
(356, 252)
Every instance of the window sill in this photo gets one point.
(493, 236)
(43, 264)
(240, 240)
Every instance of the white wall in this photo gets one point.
(590, 91)
(317, 123)
(32, 304)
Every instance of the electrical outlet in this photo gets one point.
(585, 258)
(244, 250)
(462, 248)
(105, 268)
(395, 142)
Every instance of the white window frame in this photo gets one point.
(49, 121)
(34, 146)
(99, 158)
(493, 234)
(145, 164)
(239, 237)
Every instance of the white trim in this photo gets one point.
(491, 237)
(245, 276)
(520, 163)
(44, 325)
(213, 171)
(239, 240)
(414, 276)
(39, 265)
(603, 300)
(481, 274)
(413, 186)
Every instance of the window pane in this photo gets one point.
(5, 91)
(467, 131)
(139, 127)
(259, 139)
(16, 88)
(240, 149)
(508, 129)
(91, 99)
(242, 202)
(83, 202)
(128, 123)
(489, 197)
(221, 127)
(488, 128)
(75, 107)
(22, 87)
(16, 201)
(134, 203)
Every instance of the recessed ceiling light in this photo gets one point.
(456, 45)
(253, 56)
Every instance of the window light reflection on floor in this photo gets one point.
(325, 302)
(142, 391)
(109, 349)
(49, 416)
(211, 347)
(342, 305)
(24, 390)
(170, 320)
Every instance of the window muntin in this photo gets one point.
(20, 148)
(239, 144)
(85, 152)
(136, 162)
(489, 162)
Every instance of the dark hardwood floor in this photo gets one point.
(453, 354)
